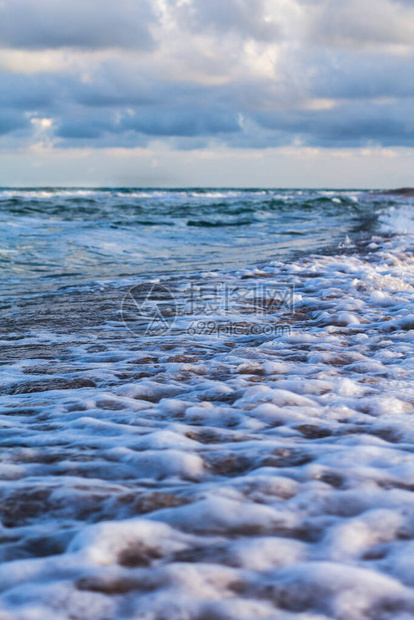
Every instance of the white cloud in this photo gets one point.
(192, 74)
(362, 24)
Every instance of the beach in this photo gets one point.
(207, 404)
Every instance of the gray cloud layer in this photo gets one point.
(91, 24)
(248, 73)
(233, 16)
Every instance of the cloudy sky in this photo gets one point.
(207, 92)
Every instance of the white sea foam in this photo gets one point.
(219, 476)
(398, 220)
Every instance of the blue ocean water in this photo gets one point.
(51, 238)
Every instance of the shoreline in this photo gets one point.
(150, 464)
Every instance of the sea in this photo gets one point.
(206, 404)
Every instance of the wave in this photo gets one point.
(163, 230)
(219, 223)
(398, 220)
(253, 448)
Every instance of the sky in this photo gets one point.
(247, 93)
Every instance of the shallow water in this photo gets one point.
(233, 443)
(56, 238)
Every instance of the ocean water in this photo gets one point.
(206, 404)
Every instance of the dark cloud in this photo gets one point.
(349, 124)
(90, 24)
(10, 122)
(367, 76)
(184, 122)
(161, 121)
(28, 92)
(327, 89)
(244, 17)
(235, 116)
(83, 127)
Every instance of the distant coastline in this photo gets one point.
(406, 192)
